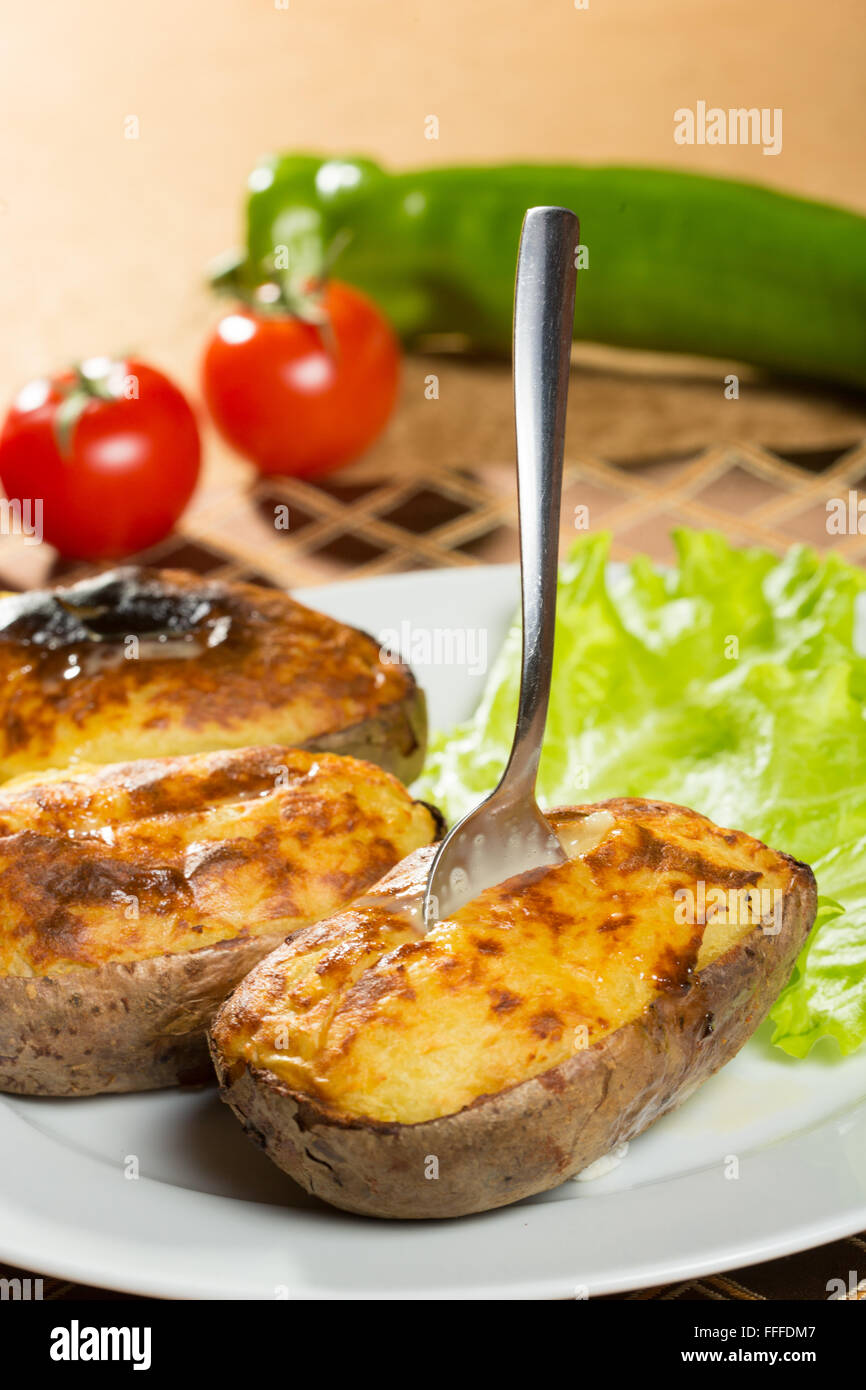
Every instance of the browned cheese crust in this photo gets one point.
(134, 896)
(137, 662)
(549, 1122)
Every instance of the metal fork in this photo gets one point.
(507, 834)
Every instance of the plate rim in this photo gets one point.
(186, 1281)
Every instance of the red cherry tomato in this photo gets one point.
(297, 398)
(111, 451)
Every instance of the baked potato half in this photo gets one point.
(134, 896)
(136, 662)
(546, 1022)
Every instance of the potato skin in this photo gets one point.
(125, 1026)
(540, 1132)
(395, 738)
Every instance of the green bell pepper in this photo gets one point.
(673, 261)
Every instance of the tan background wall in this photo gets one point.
(104, 237)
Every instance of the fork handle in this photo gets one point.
(543, 325)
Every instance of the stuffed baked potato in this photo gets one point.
(546, 1022)
(134, 896)
(134, 663)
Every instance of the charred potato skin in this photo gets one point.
(542, 1131)
(274, 672)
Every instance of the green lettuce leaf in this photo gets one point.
(729, 682)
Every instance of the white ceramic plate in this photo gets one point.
(210, 1217)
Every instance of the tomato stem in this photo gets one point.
(85, 386)
(298, 293)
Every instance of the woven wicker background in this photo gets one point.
(643, 455)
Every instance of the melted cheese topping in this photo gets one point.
(143, 859)
(366, 1016)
